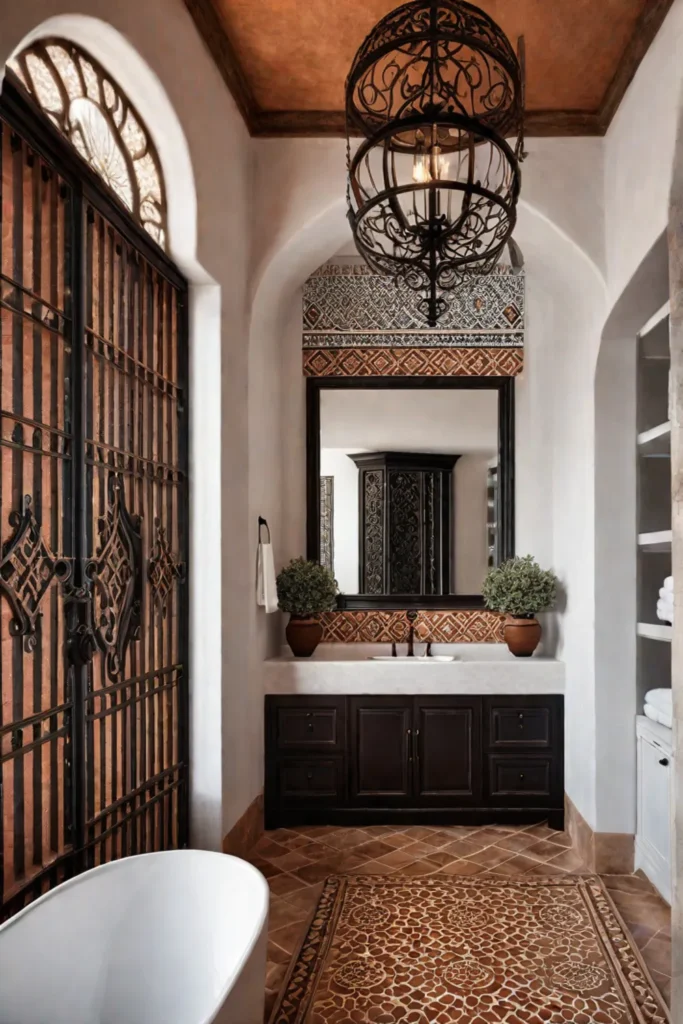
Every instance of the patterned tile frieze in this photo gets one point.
(351, 299)
(441, 627)
(413, 362)
(413, 339)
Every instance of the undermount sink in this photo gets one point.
(421, 660)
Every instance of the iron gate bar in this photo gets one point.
(152, 403)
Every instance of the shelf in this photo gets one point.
(655, 443)
(660, 315)
(660, 541)
(655, 632)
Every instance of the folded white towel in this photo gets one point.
(266, 587)
(669, 584)
(662, 699)
(665, 611)
(666, 597)
(655, 715)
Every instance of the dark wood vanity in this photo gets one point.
(340, 760)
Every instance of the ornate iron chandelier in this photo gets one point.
(435, 90)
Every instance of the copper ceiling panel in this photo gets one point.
(295, 54)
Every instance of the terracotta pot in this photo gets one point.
(522, 635)
(303, 636)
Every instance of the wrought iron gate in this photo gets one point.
(93, 521)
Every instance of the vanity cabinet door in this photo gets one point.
(447, 751)
(381, 751)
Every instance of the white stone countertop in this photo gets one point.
(478, 669)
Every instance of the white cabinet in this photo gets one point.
(653, 837)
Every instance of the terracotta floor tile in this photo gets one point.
(490, 857)
(663, 983)
(267, 869)
(283, 884)
(543, 831)
(419, 849)
(282, 912)
(373, 867)
(560, 839)
(288, 938)
(313, 873)
(290, 861)
(517, 842)
(632, 884)
(315, 849)
(657, 955)
(398, 840)
(459, 831)
(418, 831)
(396, 859)
(569, 860)
(542, 850)
(280, 835)
(275, 975)
(486, 836)
(463, 867)
(462, 848)
(277, 955)
(373, 849)
(440, 858)
(642, 934)
(438, 840)
(518, 865)
(346, 839)
(544, 868)
(419, 867)
(268, 849)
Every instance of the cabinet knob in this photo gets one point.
(310, 726)
(309, 776)
(521, 776)
(664, 762)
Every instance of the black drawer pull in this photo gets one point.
(664, 762)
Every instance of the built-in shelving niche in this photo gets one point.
(654, 502)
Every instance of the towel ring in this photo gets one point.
(263, 522)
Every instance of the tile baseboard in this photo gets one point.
(247, 831)
(606, 853)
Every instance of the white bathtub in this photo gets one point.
(164, 938)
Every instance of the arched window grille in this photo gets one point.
(88, 107)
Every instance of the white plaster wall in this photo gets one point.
(639, 152)
(335, 462)
(469, 522)
(182, 101)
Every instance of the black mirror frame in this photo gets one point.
(505, 386)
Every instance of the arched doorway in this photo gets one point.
(93, 482)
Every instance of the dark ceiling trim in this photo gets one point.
(648, 25)
(318, 123)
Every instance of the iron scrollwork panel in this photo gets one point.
(405, 532)
(372, 581)
(27, 570)
(115, 574)
(164, 569)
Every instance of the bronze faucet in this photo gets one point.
(411, 616)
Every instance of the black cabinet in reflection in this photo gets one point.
(406, 523)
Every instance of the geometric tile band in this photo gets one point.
(413, 362)
(351, 298)
(441, 627)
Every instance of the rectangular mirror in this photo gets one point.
(410, 487)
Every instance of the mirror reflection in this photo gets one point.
(409, 490)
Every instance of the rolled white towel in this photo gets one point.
(669, 584)
(661, 698)
(666, 595)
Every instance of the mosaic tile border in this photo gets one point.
(410, 339)
(354, 299)
(413, 362)
(445, 627)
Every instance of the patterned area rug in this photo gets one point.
(449, 950)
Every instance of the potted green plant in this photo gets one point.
(520, 589)
(305, 590)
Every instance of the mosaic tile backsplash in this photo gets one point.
(444, 627)
(357, 323)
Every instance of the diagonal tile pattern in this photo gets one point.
(296, 862)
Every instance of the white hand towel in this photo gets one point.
(266, 587)
(665, 612)
(666, 595)
(655, 715)
(669, 584)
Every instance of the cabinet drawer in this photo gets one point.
(311, 780)
(520, 726)
(309, 726)
(520, 776)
